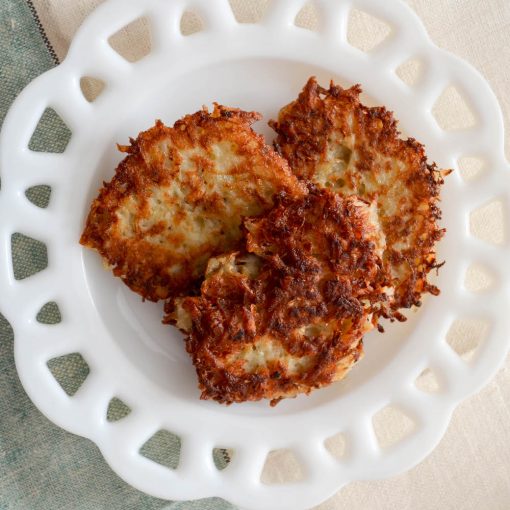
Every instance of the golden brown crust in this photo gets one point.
(179, 196)
(288, 316)
(330, 138)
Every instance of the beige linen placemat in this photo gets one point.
(470, 469)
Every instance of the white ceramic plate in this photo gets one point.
(132, 356)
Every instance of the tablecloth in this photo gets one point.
(43, 467)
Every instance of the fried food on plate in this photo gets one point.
(330, 138)
(287, 315)
(178, 197)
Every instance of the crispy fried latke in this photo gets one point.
(287, 315)
(330, 138)
(177, 199)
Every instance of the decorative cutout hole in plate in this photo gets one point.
(308, 17)
(411, 71)
(29, 256)
(51, 134)
(132, 42)
(117, 409)
(49, 314)
(478, 278)
(428, 381)
(391, 426)
(281, 467)
(452, 112)
(39, 195)
(336, 445)
(70, 371)
(6, 332)
(164, 448)
(222, 457)
(470, 168)
(91, 88)
(466, 335)
(488, 222)
(191, 23)
(249, 12)
(366, 32)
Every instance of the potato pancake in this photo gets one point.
(287, 315)
(330, 138)
(179, 196)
